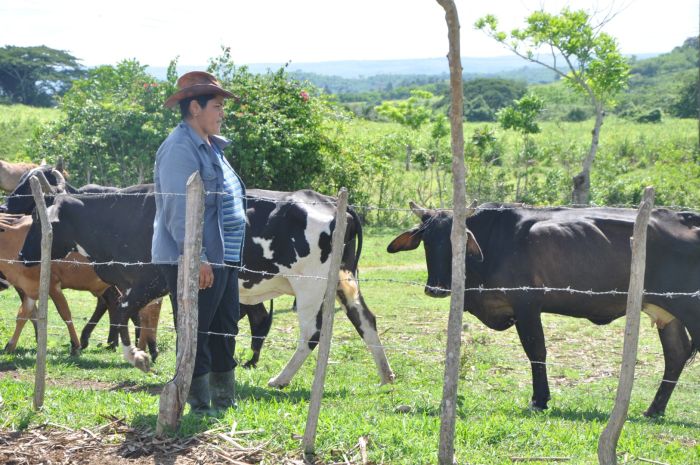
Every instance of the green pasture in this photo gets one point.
(401, 421)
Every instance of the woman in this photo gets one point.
(195, 145)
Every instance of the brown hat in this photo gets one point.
(196, 83)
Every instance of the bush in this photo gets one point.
(576, 114)
(653, 116)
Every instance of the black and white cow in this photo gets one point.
(509, 246)
(125, 238)
(287, 234)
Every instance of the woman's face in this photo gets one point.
(209, 118)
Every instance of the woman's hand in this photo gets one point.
(206, 276)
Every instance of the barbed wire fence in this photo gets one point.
(264, 274)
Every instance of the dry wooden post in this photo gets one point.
(458, 238)
(44, 279)
(174, 395)
(324, 345)
(608, 440)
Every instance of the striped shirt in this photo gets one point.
(233, 212)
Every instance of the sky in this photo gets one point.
(276, 31)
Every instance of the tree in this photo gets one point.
(36, 75)
(411, 113)
(521, 116)
(276, 126)
(485, 96)
(114, 123)
(595, 66)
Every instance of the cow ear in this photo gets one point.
(473, 248)
(408, 240)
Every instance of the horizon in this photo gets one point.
(312, 31)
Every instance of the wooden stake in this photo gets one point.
(174, 394)
(458, 238)
(608, 439)
(324, 345)
(44, 280)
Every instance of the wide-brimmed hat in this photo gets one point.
(196, 83)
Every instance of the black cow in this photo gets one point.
(288, 234)
(122, 233)
(585, 248)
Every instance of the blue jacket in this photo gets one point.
(182, 153)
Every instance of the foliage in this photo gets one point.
(114, 123)
(687, 103)
(522, 114)
(18, 124)
(484, 97)
(275, 124)
(664, 81)
(596, 67)
(412, 112)
(36, 75)
(654, 116)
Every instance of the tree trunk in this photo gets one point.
(458, 238)
(581, 194)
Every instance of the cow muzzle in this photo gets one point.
(437, 290)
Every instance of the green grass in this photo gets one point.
(493, 422)
(17, 125)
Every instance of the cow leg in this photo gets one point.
(309, 302)
(677, 350)
(149, 316)
(62, 306)
(111, 298)
(260, 322)
(24, 313)
(529, 326)
(100, 309)
(131, 302)
(365, 323)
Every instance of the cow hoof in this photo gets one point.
(654, 413)
(9, 348)
(389, 379)
(84, 344)
(533, 407)
(137, 358)
(249, 364)
(75, 351)
(274, 383)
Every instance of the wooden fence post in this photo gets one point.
(324, 345)
(174, 394)
(458, 237)
(608, 439)
(44, 279)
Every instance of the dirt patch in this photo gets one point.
(117, 443)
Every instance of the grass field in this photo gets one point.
(401, 421)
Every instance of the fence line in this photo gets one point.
(506, 205)
(339, 342)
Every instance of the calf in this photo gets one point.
(73, 273)
(509, 246)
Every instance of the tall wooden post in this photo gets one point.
(608, 440)
(324, 345)
(174, 395)
(458, 237)
(44, 280)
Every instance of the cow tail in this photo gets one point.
(358, 252)
(267, 324)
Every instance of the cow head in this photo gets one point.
(435, 230)
(21, 200)
(63, 235)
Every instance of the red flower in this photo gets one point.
(304, 96)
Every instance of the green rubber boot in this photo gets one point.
(199, 397)
(223, 390)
